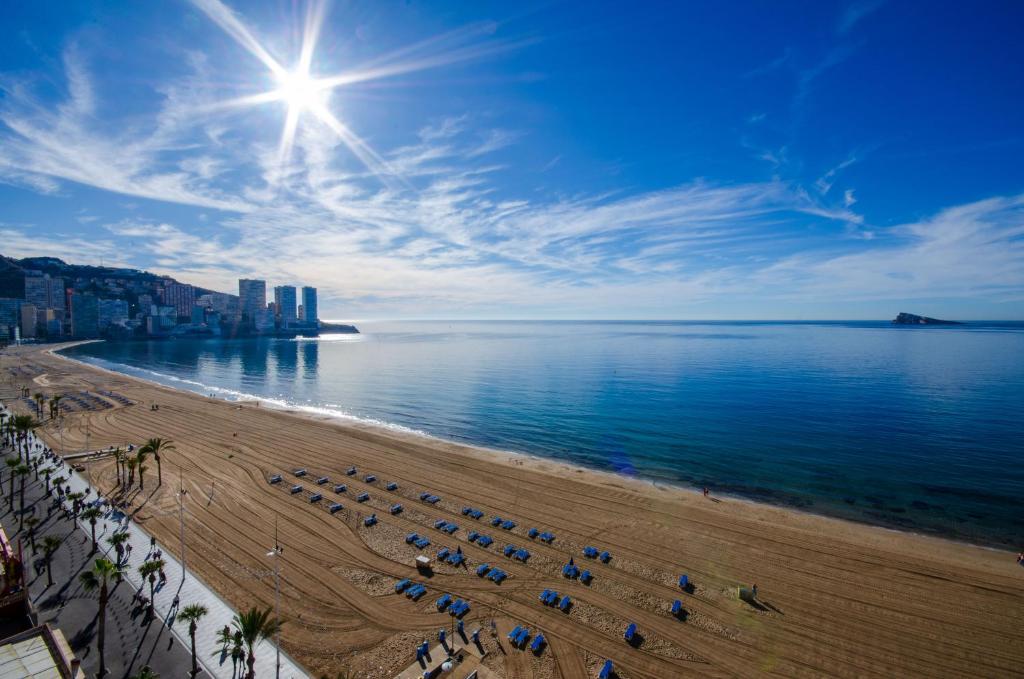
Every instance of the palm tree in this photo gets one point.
(47, 473)
(23, 424)
(39, 398)
(118, 461)
(131, 463)
(51, 543)
(255, 626)
(192, 614)
(22, 470)
(117, 541)
(148, 571)
(12, 464)
(155, 447)
(142, 470)
(32, 522)
(75, 498)
(91, 514)
(98, 578)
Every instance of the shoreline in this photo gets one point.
(316, 413)
(836, 598)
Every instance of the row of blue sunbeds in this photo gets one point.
(549, 597)
(421, 541)
(593, 553)
(480, 539)
(495, 575)
(519, 636)
(517, 553)
(457, 608)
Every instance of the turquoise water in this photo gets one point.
(917, 428)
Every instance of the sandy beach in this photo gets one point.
(834, 598)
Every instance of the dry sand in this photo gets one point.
(836, 598)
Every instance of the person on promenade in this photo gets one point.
(754, 590)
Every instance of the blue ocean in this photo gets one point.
(918, 428)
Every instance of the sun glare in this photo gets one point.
(300, 91)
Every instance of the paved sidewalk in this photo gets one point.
(192, 590)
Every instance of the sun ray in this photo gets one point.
(224, 16)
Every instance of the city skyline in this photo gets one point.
(805, 162)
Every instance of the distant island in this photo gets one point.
(912, 319)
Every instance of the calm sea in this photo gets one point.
(917, 428)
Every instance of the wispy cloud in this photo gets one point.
(855, 12)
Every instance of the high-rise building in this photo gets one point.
(309, 305)
(85, 321)
(9, 315)
(284, 303)
(44, 292)
(111, 312)
(252, 297)
(28, 320)
(180, 296)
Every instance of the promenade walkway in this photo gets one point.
(190, 590)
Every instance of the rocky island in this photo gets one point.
(911, 319)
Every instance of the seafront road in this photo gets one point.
(133, 639)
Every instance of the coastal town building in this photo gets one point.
(284, 305)
(252, 298)
(309, 310)
(85, 320)
(29, 322)
(180, 296)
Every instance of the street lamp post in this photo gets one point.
(276, 552)
(181, 521)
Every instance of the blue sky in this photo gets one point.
(516, 160)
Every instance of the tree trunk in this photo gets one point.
(21, 518)
(159, 474)
(192, 635)
(250, 661)
(101, 629)
(49, 572)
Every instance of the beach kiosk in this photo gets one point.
(423, 562)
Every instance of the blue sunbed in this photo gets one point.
(299, 472)
(340, 488)
(402, 585)
(482, 569)
(496, 521)
(411, 538)
(538, 643)
(570, 571)
(485, 541)
(336, 507)
(351, 471)
(322, 480)
(677, 607)
(605, 557)
(316, 497)
(422, 543)
(590, 552)
(296, 489)
(369, 478)
(509, 550)
(443, 552)
(547, 537)
(586, 577)
(443, 602)
(521, 555)
(276, 478)
(684, 581)
(630, 634)
(606, 671)
(533, 532)
(396, 509)
(392, 486)
(566, 603)
(508, 524)
(363, 497)
(473, 535)
(371, 520)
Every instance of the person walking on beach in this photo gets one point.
(754, 589)
(705, 491)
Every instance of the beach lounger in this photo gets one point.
(508, 524)
(498, 576)
(439, 523)
(473, 535)
(684, 581)
(565, 604)
(606, 671)
(466, 510)
(514, 633)
(316, 497)
(276, 478)
(336, 507)
(299, 472)
(521, 555)
(371, 520)
(422, 543)
(547, 537)
(605, 557)
(532, 533)
(590, 552)
(424, 495)
(392, 486)
(586, 577)
(369, 478)
(443, 552)
(416, 592)
(496, 521)
(524, 635)
(482, 569)
(443, 602)
(322, 480)
(296, 489)
(476, 514)
(630, 634)
(351, 471)
(485, 541)
(396, 509)
(538, 643)
(456, 559)
(340, 488)
(677, 607)
(450, 528)
(570, 571)
(544, 596)
(363, 497)
(402, 585)
(509, 550)
(411, 538)
(433, 499)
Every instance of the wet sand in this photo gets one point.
(835, 598)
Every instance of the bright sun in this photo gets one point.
(300, 91)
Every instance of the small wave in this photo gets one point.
(204, 389)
